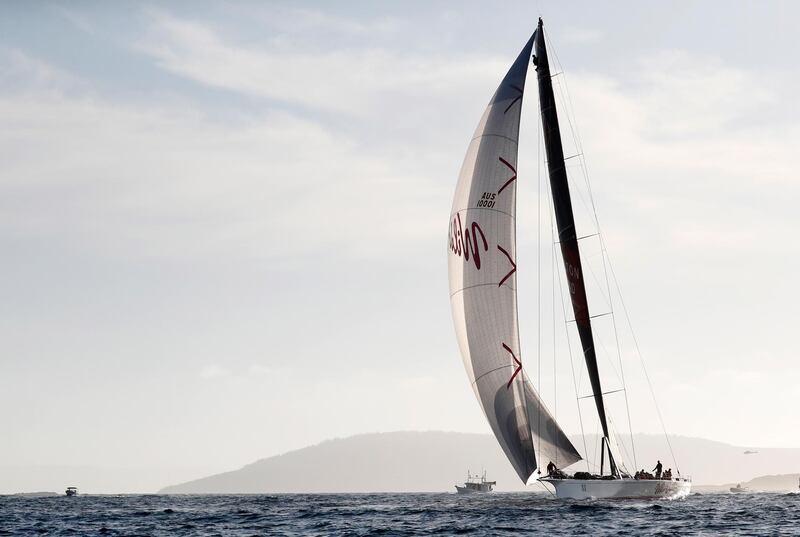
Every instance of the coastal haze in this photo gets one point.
(435, 461)
(224, 227)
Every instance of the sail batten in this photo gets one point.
(482, 275)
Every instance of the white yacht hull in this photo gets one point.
(584, 489)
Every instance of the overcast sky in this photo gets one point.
(223, 225)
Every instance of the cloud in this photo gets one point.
(357, 81)
(213, 371)
(677, 144)
(579, 35)
(258, 369)
(278, 21)
(77, 19)
(23, 72)
(165, 179)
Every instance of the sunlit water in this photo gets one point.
(398, 514)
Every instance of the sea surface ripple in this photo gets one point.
(397, 514)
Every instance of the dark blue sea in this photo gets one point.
(398, 514)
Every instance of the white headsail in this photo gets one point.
(483, 296)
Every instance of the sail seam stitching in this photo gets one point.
(454, 293)
(495, 135)
(492, 371)
(482, 209)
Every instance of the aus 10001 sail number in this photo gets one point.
(487, 200)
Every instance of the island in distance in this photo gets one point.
(434, 461)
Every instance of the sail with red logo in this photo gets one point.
(483, 295)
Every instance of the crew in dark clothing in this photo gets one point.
(551, 468)
(658, 470)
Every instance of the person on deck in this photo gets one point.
(658, 469)
(668, 474)
(551, 468)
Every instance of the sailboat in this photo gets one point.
(482, 274)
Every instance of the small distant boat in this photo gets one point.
(748, 452)
(71, 491)
(473, 485)
(739, 488)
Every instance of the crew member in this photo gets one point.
(658, 470)
(551, 468)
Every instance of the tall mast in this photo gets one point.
(565, 221)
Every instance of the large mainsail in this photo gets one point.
(483, 296)
(565, 222)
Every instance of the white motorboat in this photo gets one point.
(475, 485)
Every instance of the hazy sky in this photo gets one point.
(223, 225)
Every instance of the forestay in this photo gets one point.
(483, 296)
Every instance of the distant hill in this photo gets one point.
(764, 483)
(434, 461)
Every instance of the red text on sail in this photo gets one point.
(467, 243)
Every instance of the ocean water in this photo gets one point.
(398, 514)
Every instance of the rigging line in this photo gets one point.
(604, 393)
(545, 488)
(555, 353)
(606, 263)
(574, 132)
(555, 272)
(539, 263)
(607, 295)
(604, 251)
(600, 345)
(606, 355)
(606, 256)
(583, 237)
(580, 149)
(610, 267)
(644, 368)
(570, 111)
(599, 341)
(593, 316)
(600, 438)
(619, 351)
(623, 450)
